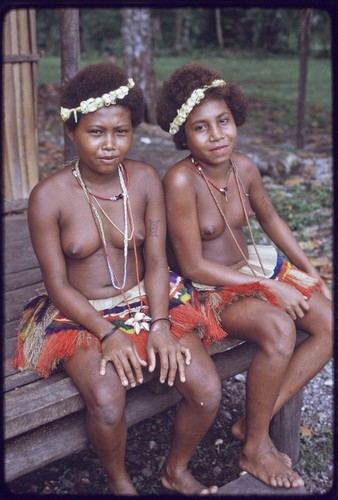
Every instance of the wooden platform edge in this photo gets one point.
(248, 485)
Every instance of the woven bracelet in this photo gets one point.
(108, 334)
(159, 319)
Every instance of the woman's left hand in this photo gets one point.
(173, 356)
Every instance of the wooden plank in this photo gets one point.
(45, 400)
(15, 226)
(15, 300)
(249, 485)
(68, 435)
(41, 402)
(19, 259)
(44, 445)
(31, 276)
(15, 379)
(14, 206)
(8, 353)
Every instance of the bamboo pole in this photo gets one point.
(19, 104)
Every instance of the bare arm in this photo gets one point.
(43, 218)
(156, 280)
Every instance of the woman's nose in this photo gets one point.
(216, 134)
(109, 142)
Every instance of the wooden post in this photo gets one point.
(285, 428)
(20, 106)
(70, 59)
(304, 48)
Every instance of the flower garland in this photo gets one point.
(94, 103)
(186, 108)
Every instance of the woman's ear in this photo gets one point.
(69, 133)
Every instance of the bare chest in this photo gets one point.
(86, 227)
(218, 215)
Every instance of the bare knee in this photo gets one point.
(318, 323)
(204, 391)
(106, 403)
(210, 393)
(279, 334)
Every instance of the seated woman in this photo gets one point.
(247, 291)
(98, 228)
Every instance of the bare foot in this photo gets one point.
(122, 486)
(238, 431)
(267, 467)
(186, 484)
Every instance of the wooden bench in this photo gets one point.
(45, 419)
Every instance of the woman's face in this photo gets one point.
(103, 138)
(211, 132)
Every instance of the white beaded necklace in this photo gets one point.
(99, 224)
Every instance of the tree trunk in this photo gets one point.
(179, 31)
(219, 30)
(304, 46)
(138, 54)
(70, 59)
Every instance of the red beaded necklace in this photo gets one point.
(110, 198)
(223, 190)
(233, 168)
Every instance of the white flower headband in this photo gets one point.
(187, 107)
(94, 103)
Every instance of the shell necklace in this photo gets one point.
(139, 320)
(240, 188)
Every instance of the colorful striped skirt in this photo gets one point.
(46, 337)
(211, 300)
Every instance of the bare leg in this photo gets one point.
(197, 410)
(274, 332)
(313, 353)
(309, 357)
(106, 425)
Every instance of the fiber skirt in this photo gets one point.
(211, 300)
(46, 337)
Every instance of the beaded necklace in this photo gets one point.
(233, 168)
(99, 224)
(223, 190)
(140, 319)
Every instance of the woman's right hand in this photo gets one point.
(292, 301)
(122, 352)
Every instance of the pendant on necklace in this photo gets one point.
(140, 321)
(224, 190)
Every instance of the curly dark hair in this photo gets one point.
(180, 85)
(96, 80)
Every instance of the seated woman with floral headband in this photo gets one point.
(247, 291)
(98, 228)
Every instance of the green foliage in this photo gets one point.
(273, 80)
(316, 455)
(302, 209)
(263, 30)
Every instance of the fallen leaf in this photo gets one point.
(306, 431)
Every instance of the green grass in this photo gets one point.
(271, 80)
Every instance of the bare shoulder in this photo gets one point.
(140, 169)
(179, 175)
(52, 187)
(246, 166)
